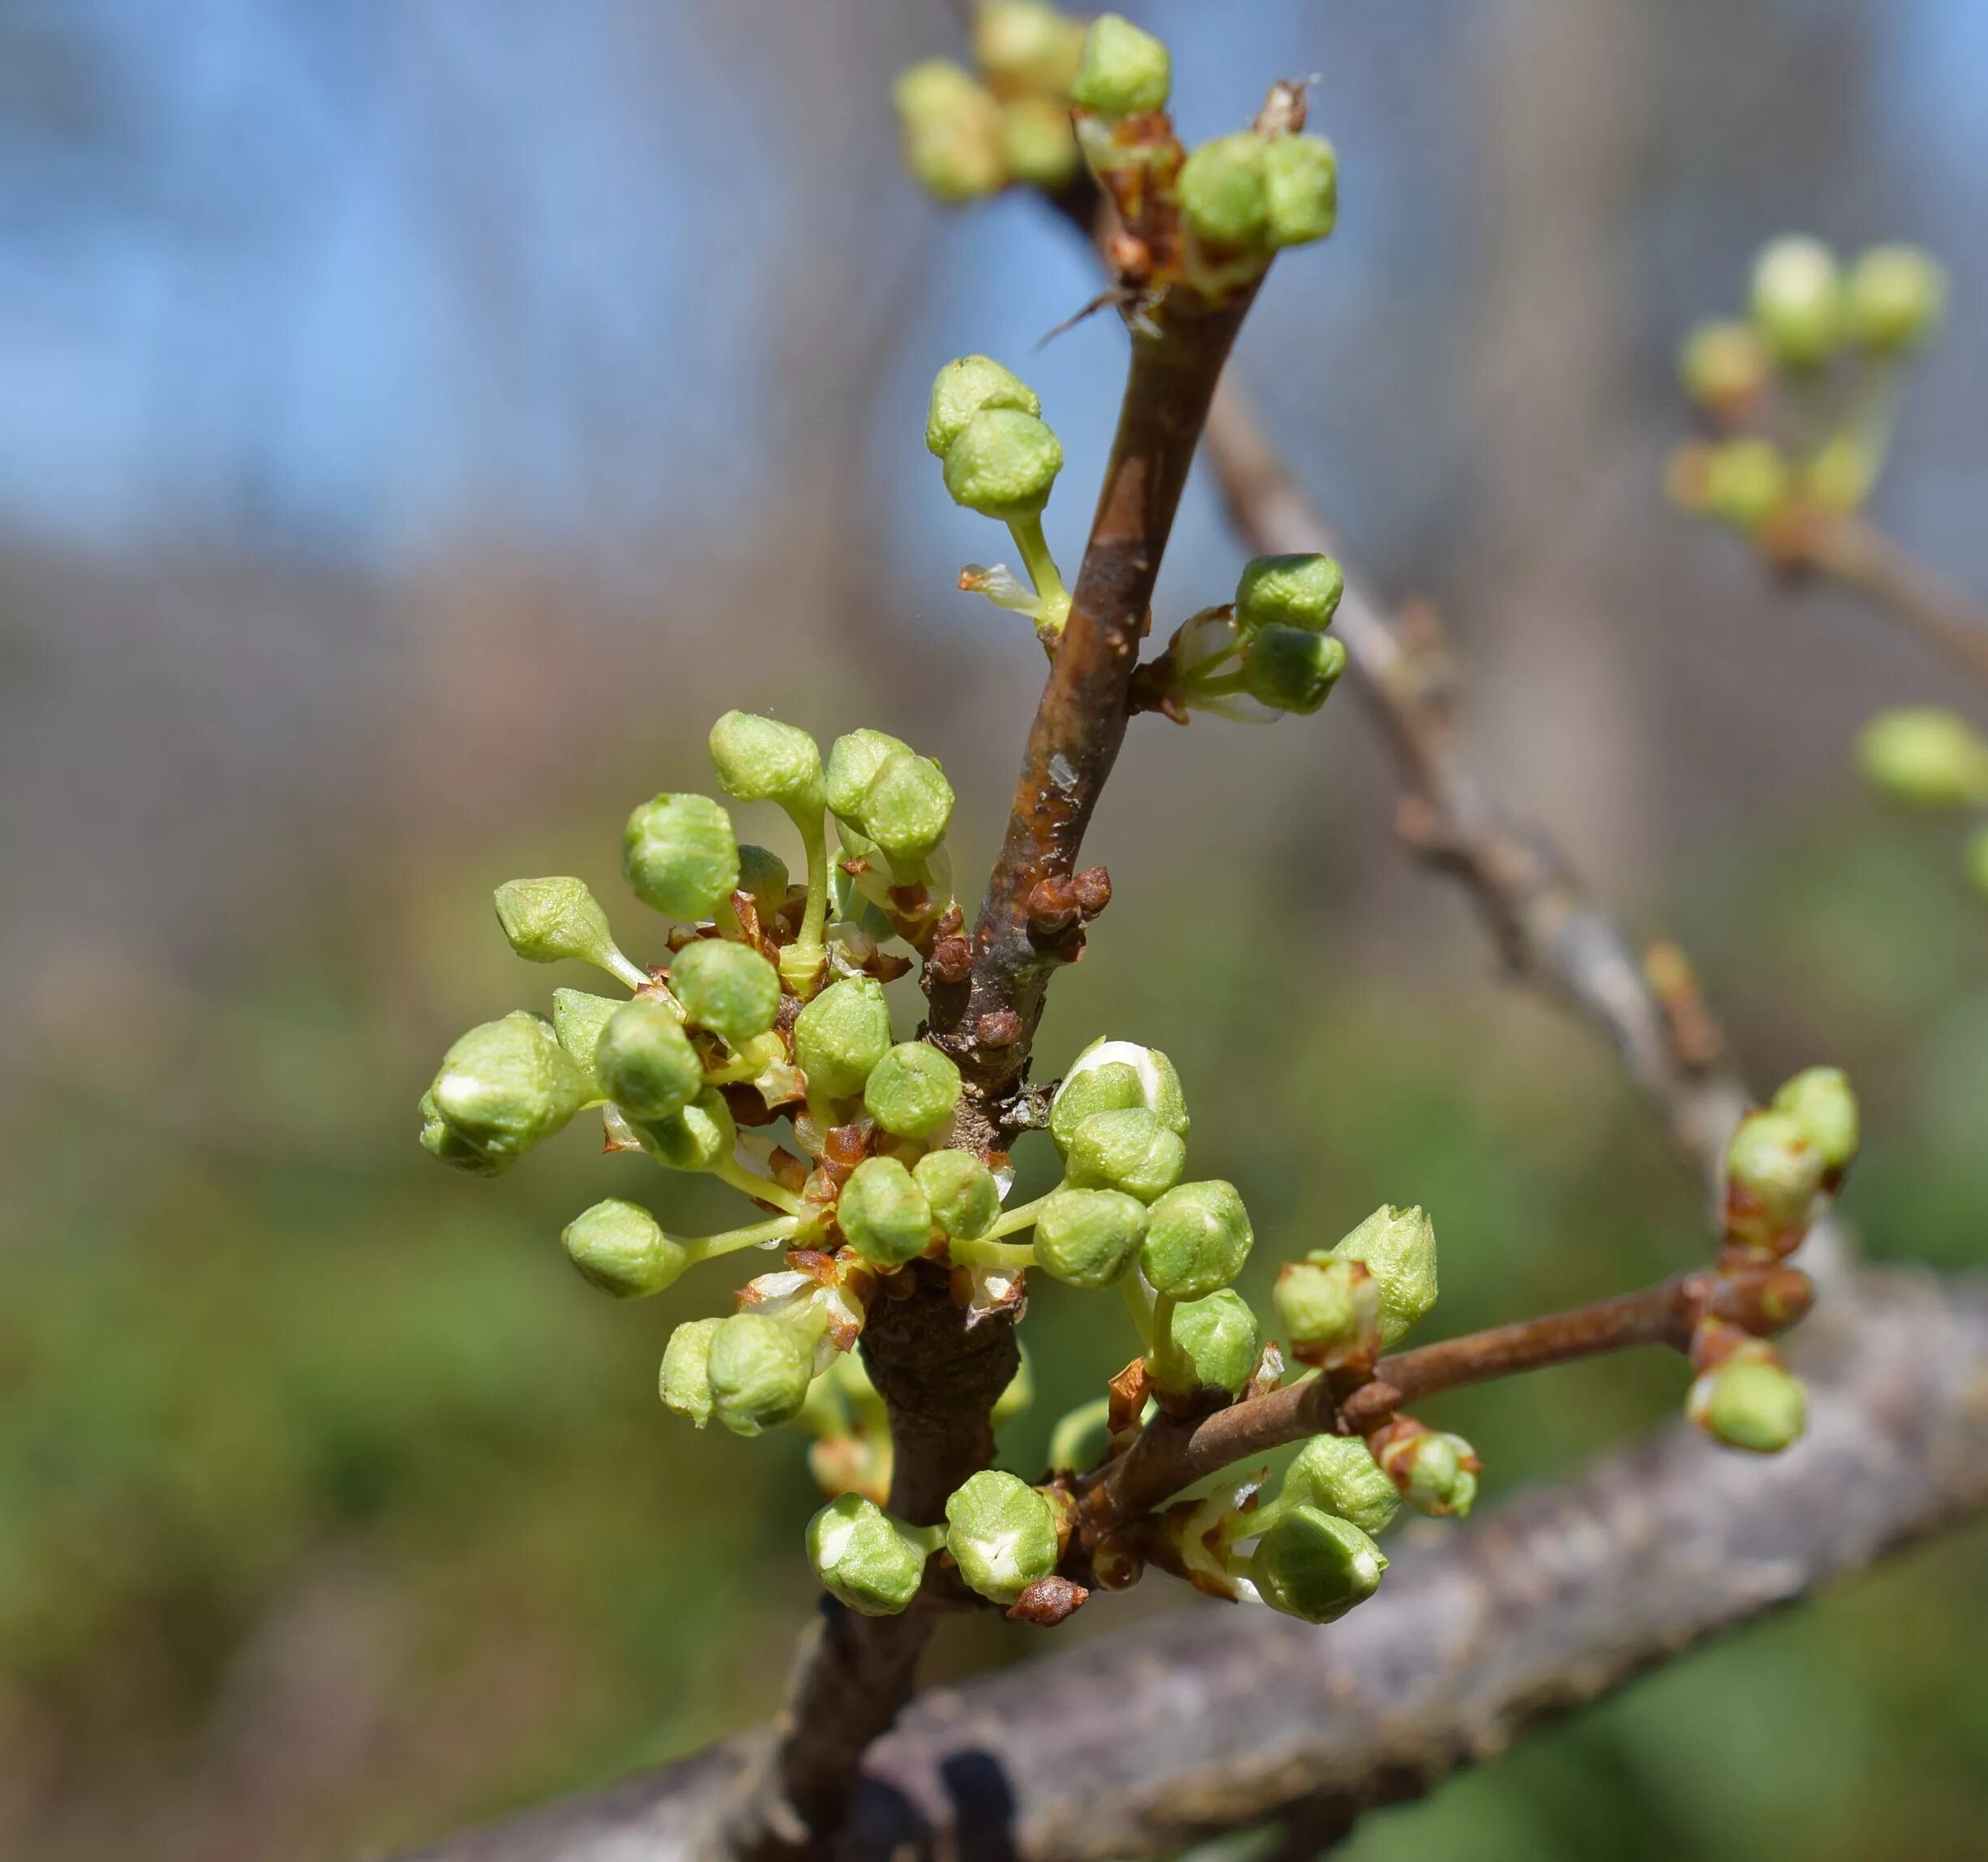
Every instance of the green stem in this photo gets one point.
(987, 1252)
(1163, 1357)
(1053, 600)
(1022, 1215)
(625, 970)
(708, 1246)
(813, 827)
(1140, 1299)
(730, 1171)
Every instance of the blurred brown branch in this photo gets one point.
(1861, 556)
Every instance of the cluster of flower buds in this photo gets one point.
(1803, 391)
(1926, 756)
(1785, 1162)
(1264, 653)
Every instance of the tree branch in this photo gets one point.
(1850, 548)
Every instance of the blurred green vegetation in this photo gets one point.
(336, 1510)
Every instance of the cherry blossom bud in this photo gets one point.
(577, 1020)
(645, 1061)
(1399, 1247)
(763, 874)
(1088, 1238)
(1338, 1475)
(723, 986)
(1301, 591)
(1002, 1534)
(1926, 756)
(760, 759)
(548, 920)
(759, 1371)
(1797, 301)
(965, 1200)
(863, 1558)
(841, 1035)
(1436, 1473)
(1773, 1172)
(680, 855)
(1197, 1237)
(1724, 366)
(505, 1086)
(907, 808)
(1330, 1308)
(1819, 1100)
(912, 1090)
(1223, 194)
(1004, 464)
(1078, 1441)
(1114, 1076)
(1750, 1402)
(951, 127)
(1291, 670)
(1025, 45)
(1130, 1150)
(699, 1137)
(1895, 298)
(962, 389)
(1301, 189)
(443, 1142)
(686, 1378)
(1746, 482)
(1314, 1566)
(883, 1213)
(1121, 71)
(1213, 1344)
(1037, 144)
(621, 1248)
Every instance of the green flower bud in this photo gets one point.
(1037, 144)
(440, 1140)
(1019, 1393)
(1925, 756)
(1746, 481)
(1077, 1443)
(912, 1090)
(1773, 1171)
(841, 1035)
(1797, 301)
(504, 1087)
(1895, 298)
(1290, 670)
(1750, 1402)
(686, 1379)
(1113, 1077)
(1338, 1475)
(1434, 1474)
(680, 855)
(1025, 45)
(883, 1213)
(760, 759)
(1121, 71)
(1314, 1566)
(701, 1137)
(1224, 195)
(965, 1200)
(1088, 1238)
(1004, 464)
(1840, 476)
(733, 991)
(962, 389)
(1399, 1246)
(577, 1020)
(907, 806)
(645, 1061)
(1722, 365)
(952, 131)
(763, 874)
(621, 1248)
(1198, 1236)
(1301, 187)
(759, 1371)
(1290, 591)
(1002, 1534)
(1328, 1306)
(1213, 1341)
(548, 920)
(1819, 1100)
(863, 1558)
(1129, 1150)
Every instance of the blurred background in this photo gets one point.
(422, 418)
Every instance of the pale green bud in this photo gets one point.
(1291, 670)
(1130, 1150)
(1112, 1076)
(1746, 481)
(1019, 1393)
(548, 920)
(759, 1371)
(1077, 1443)
(1433, 1473)
(853, 760)
(505, 1086)
(644, 1062)
(1215, 1341)
(621, 1248)
(883, 1213)
(760, 759)
(1198, 1236)
(1750, 1402)
(763, 874)
(965, 1200)
(1223, 194)
(1002, 1534)
(1722, 365)
(1337, 1474)
(1037, 144)
(841, 1035)
(1121, 71)
(577, 1020)
(1327, 1306)
(1088, 1238)
(1926, 756)
(1292, 591)
(951, 127)
(1025, 45)
(1773, 1171)
(441, 1141)
(680, 855)
(733, 991)
(1797, 301)
(1399, 1246)
(686, 1379)
(701, 1137)
(912, 1090)
(907, 806)
(1315, 1566)
(1301, 186)
(1841, 474)
(962, 389)
(863, 1558)
(1819, 1100)
(1895, 296)
(1004, 464)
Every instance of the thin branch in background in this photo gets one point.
(1857, 554)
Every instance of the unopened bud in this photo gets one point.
(1291, 591)
(883, 1213)
(1436, 1474)
(1214, 1345)
(1197, 1237)
(1841, 474)
(1114, 1076)
(1026, 45)
(1399, 1247)
(644, 1062)
(962, 389)
(763, 874)
(1088, 1238)
(907, 808)
(548, 920)
(686, 1378)
(965, 1200)
(1314, 1566)
(1746, 481)
(1077, 1443)
(1750, 1402)
(1926, 756)
(442, 1142)
(1301, 189)
(760, 759)
(863, 1558)
(621, 1248)
(1130, 1150)
(1291, 670)
(912, 1090)
(577, 1020)
(1019, 1392)
(699, 1137)
(723, 986)
(841, 1035)
(1819, 1100)
(1224, 195)
(1121, 70)
(504, 1086)
(1037, 144)
(1002, 1534)
(951, 127)
(680, 855)
(1773, 1172)
(1331, 1309)
(1797, 301)
(1004, 464)
(1338, 1475)
(759, 1371)
(1895, 296)
(1722, 365)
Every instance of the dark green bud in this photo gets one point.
(1129, 1150)
(723, 986)
(701, 1137)
(1926, 756)
(1113, 1077)
(1399, 1247)
(759, 1371)
(546, 920)
(1223, 194)
(1289, 668)
(1819, 1100)
(760, 759)
(965, 1200)
(1797, 301)
(1002, 1534)
(1121, 71)
(1751, 1402)
(1336, 1475)
(1004, 464)
(863, 1558)
(505, 1086)
(645, 1061)
(883, 1213)
(1895, 298)
(1288, 591)
(621, 1248)
(1214, 1342)
(441, 1141)
(1315, 1566)
(912, 1090)
(686, 1379)
(1197, 1237)
(841, 1035)
(1302, 188)
(680, 855)
(1079, 1441)
(578, 1019)
(1088, 1238)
